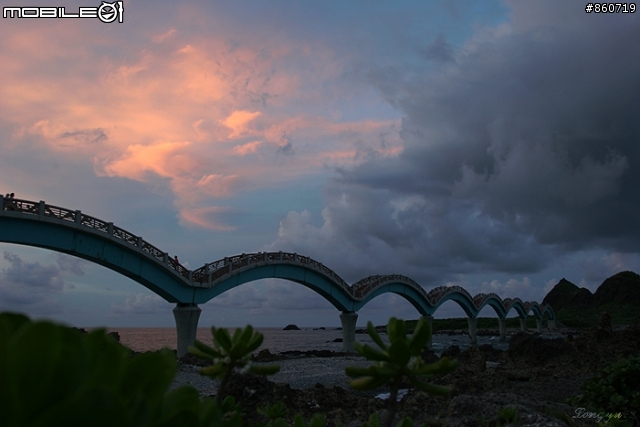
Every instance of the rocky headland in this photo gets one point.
(532, 381)
(535, 376)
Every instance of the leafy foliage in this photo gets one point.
(229, 353)
(614, 390)
(276, 413)
(55, 375)
(508, 415)
(399, 361)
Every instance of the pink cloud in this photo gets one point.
(248, 148)
(238, 121)
(206, 218)
(188, 109)
(162, 158)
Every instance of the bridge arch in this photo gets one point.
(495, 302)
(72, 232)
(77, 234)
(304, 275)
(371, 287)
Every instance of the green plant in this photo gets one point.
(374, 421)
(230, 353)
(275, 414)
(615, 390)
(508, 415)
(55, 375)
(398, 362)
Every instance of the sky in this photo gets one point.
(493, 145)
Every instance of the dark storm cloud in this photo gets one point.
(524, 146)
(70, 264)
(29, 287)
(91, 136)
(439, 50)
(31, 274)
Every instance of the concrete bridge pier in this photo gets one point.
(186, 316)
(348, 320)
(539, 325)
(523, 325)
(551, 324)
(502, 325)
(473, 329)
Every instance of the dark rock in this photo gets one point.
(472, 360)
(452, 352)
(265, 355)
(565, 294)
(582, 298)
(536, 351)
(291, 328)
(635, 324)
(429, 356)
(491, 354)
(312, 353)
(472, 411)
(337, 340)
(598, 347)
(190, 359)
(622, 288)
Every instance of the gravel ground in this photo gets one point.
(299, 373)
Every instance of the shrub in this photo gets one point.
(398, 362)
(55, 375)
(229, 353)
(615, 390)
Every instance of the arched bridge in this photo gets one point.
(75, 233)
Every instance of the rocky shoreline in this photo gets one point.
(535, 376)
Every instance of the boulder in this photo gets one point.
(291, 327)
(536, 351)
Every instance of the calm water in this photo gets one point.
(277, 340)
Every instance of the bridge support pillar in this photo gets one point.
(523, 325)
(186, 316)
(473, 328)
(502, 325)
(539, 325)
(551, 323)
(430, 322)
(348, 320)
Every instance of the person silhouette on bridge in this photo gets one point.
(8, 203)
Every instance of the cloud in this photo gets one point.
(439, 50)
(238, 122)
(520, 151)
(183, 108)
(143, 304)
(30, 287)
(245, 297)
(208, 217)
(161, 38)
(71, 264)
(269, 296)
(162, 158)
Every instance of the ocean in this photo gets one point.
(278, 340)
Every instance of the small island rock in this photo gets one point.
(291, 328)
